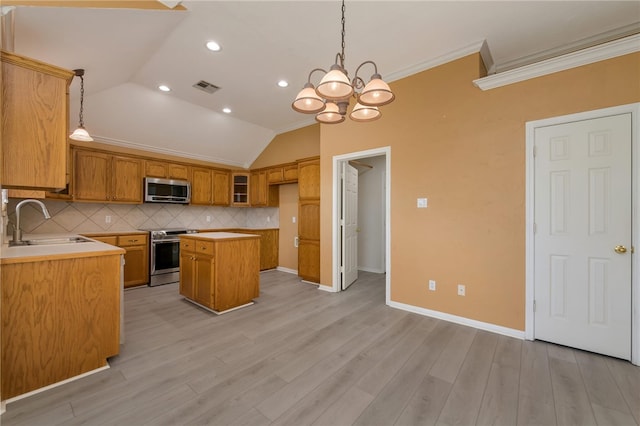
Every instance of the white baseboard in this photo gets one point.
(287, 270)
(326, 288)
(374, 270)
(510, 332)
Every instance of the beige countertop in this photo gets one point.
(37, 253)
(219, 236)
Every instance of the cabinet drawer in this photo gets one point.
(205, 247)
(132, 240)
(290, 172)
(187, 245)
(110, 239)
(275, 175)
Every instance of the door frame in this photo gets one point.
(634, 110)
(337, 212)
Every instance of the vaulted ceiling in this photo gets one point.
(127, 53)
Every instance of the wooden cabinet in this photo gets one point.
(240, 189)
(220, 271)
(221, 188)
(107, 178)
(201, 186)
(269, 243)
(309, 179)
(60, 318)
(261, 193)
(284, 173)
(166, 170)
(136, 258)
(35, 117)
(126, 179)
(209, 187)
(309, 220)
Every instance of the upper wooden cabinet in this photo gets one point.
(261, 193)
(240, 189)
(221, 188)
(284, 173)
(309, 179)
(108, 178)
(209, 187)
(201, 186)
(35, 117)
(163, 169)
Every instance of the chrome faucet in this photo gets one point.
(17, 232)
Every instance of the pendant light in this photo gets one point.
(80, 134)
(331, 98)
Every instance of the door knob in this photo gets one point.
(620, 249)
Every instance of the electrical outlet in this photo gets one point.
(208, 218)
(268, 219)
(461, 289)
(293, 219)
(432, 285)
(107, 219)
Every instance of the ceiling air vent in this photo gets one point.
(206, 86)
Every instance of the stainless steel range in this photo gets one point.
(164, 255)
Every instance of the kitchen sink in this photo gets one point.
(49, 241)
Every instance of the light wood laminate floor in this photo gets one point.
(301, 356)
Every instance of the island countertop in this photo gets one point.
(219, 236)
(36, 253)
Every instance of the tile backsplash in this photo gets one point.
(69, 217)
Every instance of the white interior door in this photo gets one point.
(349, 224)
(582, 272)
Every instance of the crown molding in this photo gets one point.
(480, 46)
(166, 151)
(612, 49)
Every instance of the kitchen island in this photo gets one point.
(220, 271)
(61, 306)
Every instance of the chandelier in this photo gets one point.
(81, 134)
(329, 101)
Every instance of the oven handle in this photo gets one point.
(165, 241)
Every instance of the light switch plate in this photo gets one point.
(422, 203)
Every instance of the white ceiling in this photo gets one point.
(128, 53)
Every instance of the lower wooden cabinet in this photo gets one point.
(269, 244)
(60, 318)
(136, 258)
(219, 271)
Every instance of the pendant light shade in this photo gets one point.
(376, 92)
(335, 85)
(80, 134)
(365, 113)
(330, 115)
(308, 101)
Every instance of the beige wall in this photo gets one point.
(290, 146)
(288, 254)
(464, 149)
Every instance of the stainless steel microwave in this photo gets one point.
(158, 190)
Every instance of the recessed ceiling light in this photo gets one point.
(283, 83)
(226, 110)
(164, 88)
(213, 46)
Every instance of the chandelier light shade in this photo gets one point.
(376, 92)
(81, 134)
(335, 85)
(330, 115)
(330, 99)
(308, 101)
(364, 113)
